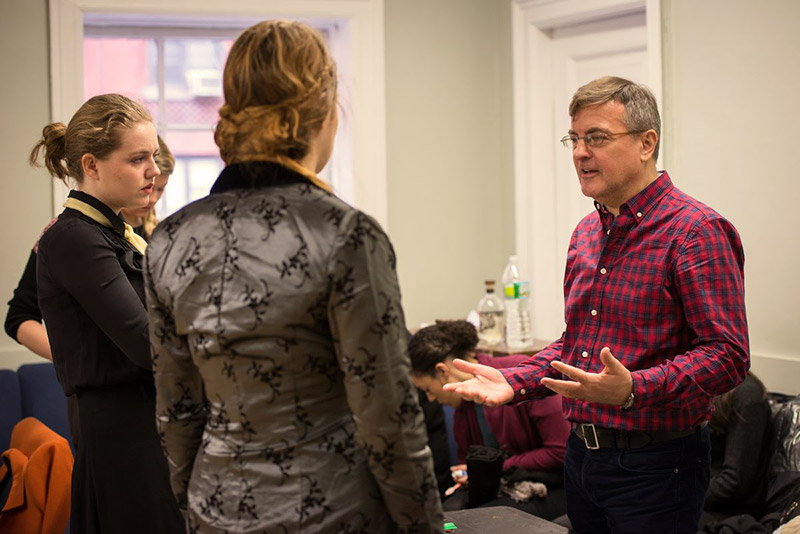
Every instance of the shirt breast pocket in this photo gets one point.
(644, 295)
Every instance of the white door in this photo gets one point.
(551, 62)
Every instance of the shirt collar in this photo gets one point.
(640, 204)
(256, 175)
(117, 223)
(606, 217)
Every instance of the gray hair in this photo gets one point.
(641, 110)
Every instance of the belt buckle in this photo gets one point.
(590, 440)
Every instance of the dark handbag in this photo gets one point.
(484, 465)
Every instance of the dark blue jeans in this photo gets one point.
(657, 489)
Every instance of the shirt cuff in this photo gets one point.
(518, 380)
(638, 390)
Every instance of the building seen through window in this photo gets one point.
(176, 72)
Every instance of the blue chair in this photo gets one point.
(449, 411)
(10, 406)
(31, 391)
(43, 398)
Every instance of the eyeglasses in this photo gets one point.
(593, 139)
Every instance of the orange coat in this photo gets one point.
(40, 464)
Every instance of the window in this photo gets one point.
(358, 172)
(175, 70)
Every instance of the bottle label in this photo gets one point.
(490, 320)
(491, 327)
(517, 290)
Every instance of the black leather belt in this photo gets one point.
(595, 437)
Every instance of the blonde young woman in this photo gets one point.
(143, 219)
(91, 295)
(24, 319)
(284, 396)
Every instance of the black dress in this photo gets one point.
(91, 296)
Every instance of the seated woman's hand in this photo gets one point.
(459, 473)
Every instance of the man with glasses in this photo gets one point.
(655, 327)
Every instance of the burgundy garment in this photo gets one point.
(534, 433)
(662, 285)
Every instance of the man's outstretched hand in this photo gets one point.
(488, 386)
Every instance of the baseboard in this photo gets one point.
(781, 374)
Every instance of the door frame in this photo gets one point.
(535, 190)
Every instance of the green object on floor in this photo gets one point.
(450, 526)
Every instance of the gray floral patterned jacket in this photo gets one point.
(283, 394)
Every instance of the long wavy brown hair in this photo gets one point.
(280, 85)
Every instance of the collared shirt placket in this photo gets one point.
(610, 243)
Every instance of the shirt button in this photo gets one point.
(522, 391)
(594, 313)
(584, 354)
(639, 214)
(603, 270)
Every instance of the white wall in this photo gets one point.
(731, 117)
(449, 150)
(25, 193)
(730, 121)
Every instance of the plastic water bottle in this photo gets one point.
(492, 316)
(518, 318)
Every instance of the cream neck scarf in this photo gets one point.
(93, 213)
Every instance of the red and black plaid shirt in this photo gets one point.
(662, 286)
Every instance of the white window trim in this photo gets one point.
(367, 103)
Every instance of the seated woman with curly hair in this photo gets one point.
(532, 435)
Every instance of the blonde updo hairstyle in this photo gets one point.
(94, 129)
(166, 164)
(279, 85)
(164, 159)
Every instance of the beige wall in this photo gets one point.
(448, 68)
(731, 118)
(25, 193)
(449, 150)
(730, 108)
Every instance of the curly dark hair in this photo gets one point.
(436, 343)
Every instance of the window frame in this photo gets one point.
(362, 25)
